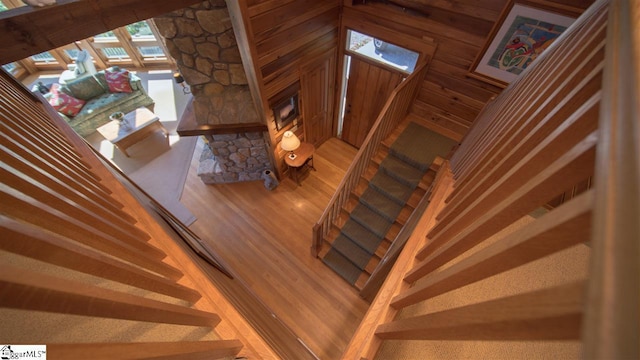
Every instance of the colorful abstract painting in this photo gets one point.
(516, 41)
(526, 38)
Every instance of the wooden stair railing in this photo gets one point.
(477, 233)
(377, 268)
(75, 241)
(394, 112)
(570, 193)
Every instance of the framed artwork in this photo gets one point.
(523, 31)
(286, 111)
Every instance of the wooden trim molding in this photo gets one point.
(189, 127)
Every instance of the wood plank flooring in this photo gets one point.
(265, 238)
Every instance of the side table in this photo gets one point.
(304, 157)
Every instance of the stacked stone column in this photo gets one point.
(201, 40)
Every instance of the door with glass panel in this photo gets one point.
(373, 68)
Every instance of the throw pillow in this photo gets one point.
(84, 88)
(118, 81)
(63, 103)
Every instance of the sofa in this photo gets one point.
(86, 103)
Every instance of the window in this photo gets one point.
(151, 52)
(140, 30)
(113, 53)
(44, 58)
(133, 45)
(72, 53)
(9, 67)
(381, 51)
(10, 4)
(109, 35)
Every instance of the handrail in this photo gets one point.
(613, 295)
(364, 343)
(393, 112)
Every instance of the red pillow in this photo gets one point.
(63, 103)
(118, 81)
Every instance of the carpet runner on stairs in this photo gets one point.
(398, 175)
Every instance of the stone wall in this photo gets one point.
(233, 158)
(201, 40)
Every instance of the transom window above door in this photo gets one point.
(381, 51)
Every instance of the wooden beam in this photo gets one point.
(26, 30)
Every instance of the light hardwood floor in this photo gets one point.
(265, 238)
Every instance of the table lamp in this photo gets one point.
(290, 142)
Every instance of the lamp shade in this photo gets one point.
(290, 141)
(178, 78)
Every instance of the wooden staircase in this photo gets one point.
(361, 187)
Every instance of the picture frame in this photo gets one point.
(521, 33)
(286, 111)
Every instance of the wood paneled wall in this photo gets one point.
(449, 99)
(283, 35)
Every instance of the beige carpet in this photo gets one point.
(160, 170)
(164, 178)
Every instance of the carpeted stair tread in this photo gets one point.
(401, 171)
(362, 236)
(418, 146)
(342, 266)
(381, 204)
(357, 255)
(373, 221)
(391, 187)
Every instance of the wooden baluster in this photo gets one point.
(31, 241)
(450, 244)
(28, 290)
(547, 314)
(567, 226)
